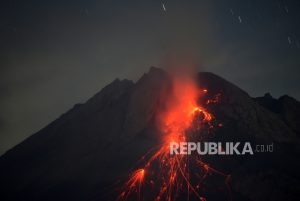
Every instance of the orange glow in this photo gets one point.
(136, 178)
(181, 111)
(134, 184)
(173, 174)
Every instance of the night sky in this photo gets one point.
(56, 53)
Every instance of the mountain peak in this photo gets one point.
(96, 143)
(154, 69)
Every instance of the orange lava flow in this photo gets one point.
(179, 117)
(169, 177)
(133, 184)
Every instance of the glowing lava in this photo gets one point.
(169, 177)
(134, 184)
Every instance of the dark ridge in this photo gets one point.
(82, 154)
(286, 107)
(269, 102)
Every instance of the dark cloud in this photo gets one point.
(54, 54)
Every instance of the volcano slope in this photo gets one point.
(89, 151)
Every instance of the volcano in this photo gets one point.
(88, 152)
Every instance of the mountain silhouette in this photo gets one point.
(87, 151)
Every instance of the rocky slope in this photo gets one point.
(84, 152)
